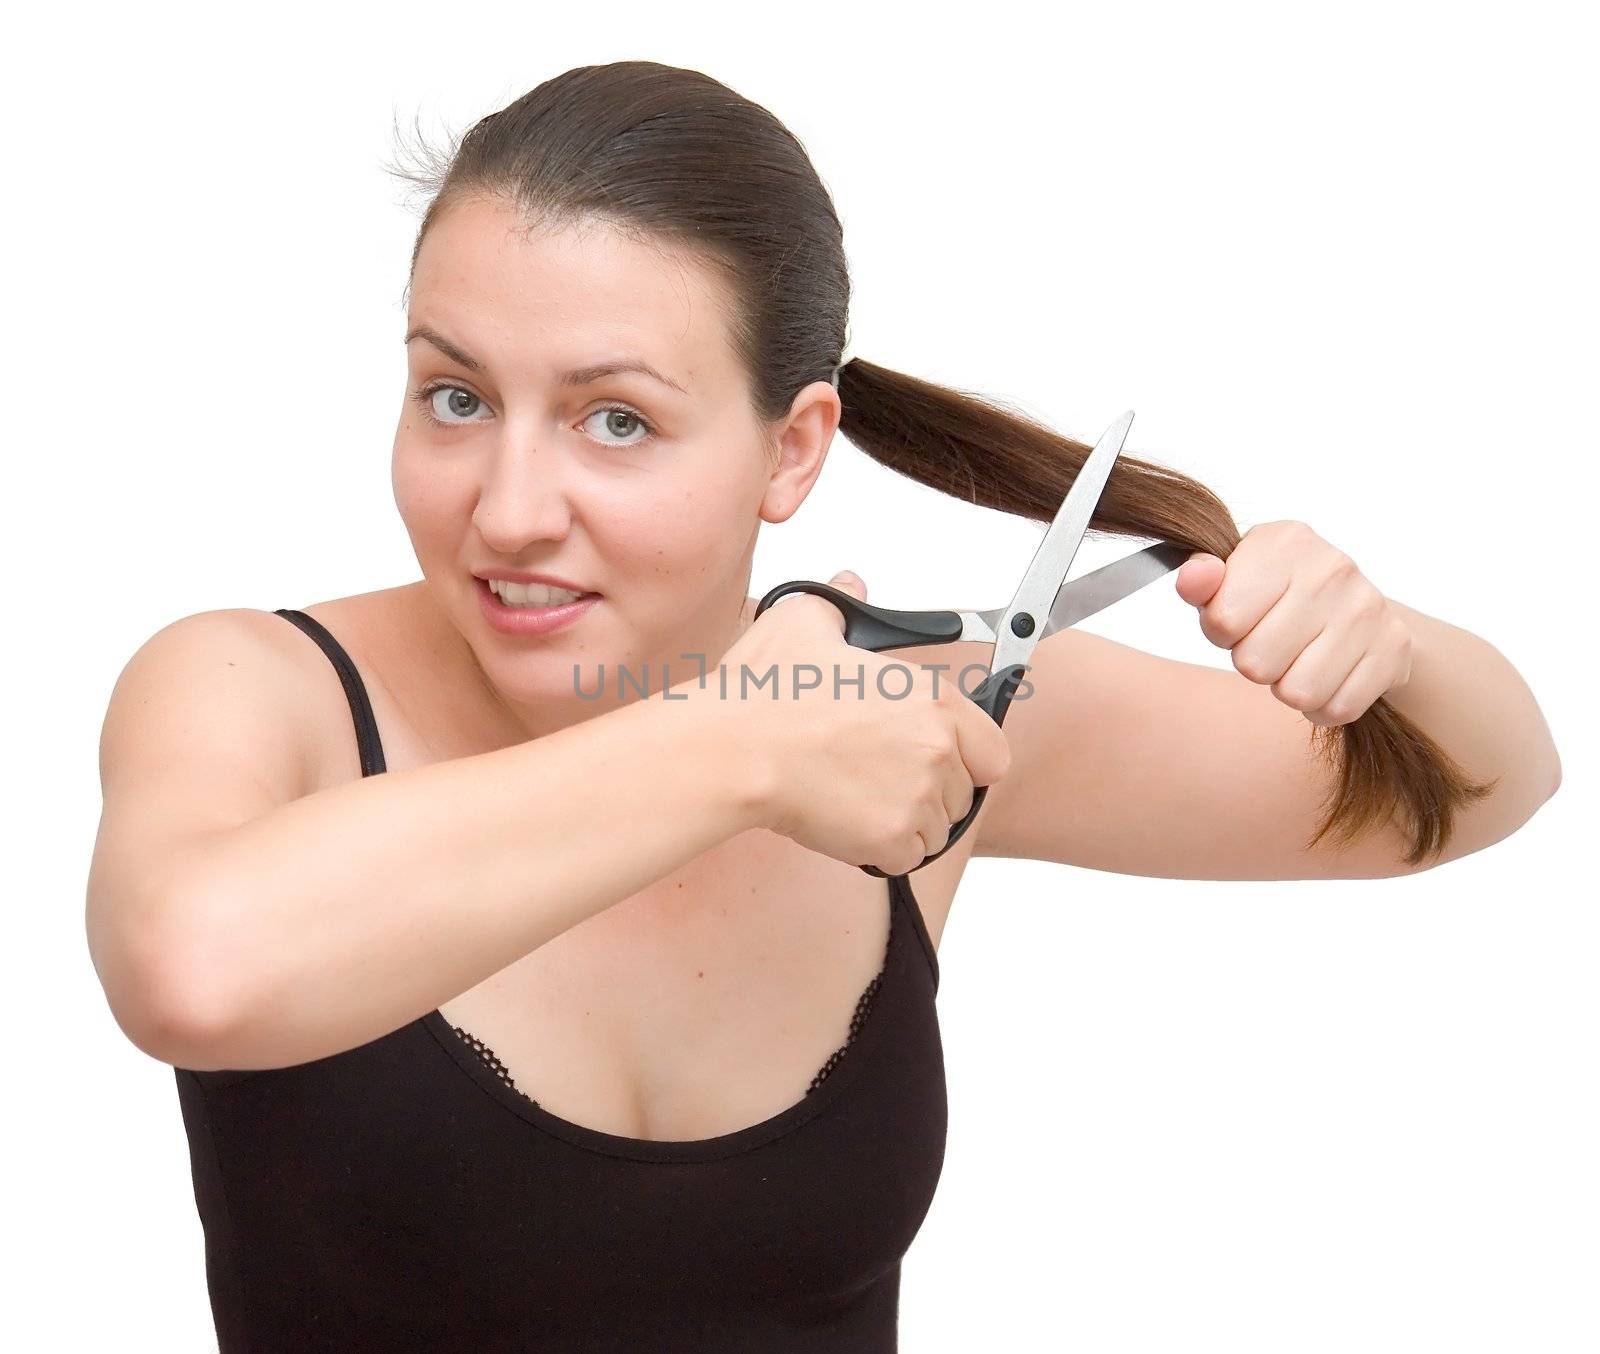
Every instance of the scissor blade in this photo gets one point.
(1111, 583)
(1047, 574)
(1089, 594)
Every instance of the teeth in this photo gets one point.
(531, 594)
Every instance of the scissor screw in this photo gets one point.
(1022, 625)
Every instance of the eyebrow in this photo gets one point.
(578, 376)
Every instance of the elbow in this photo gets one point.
(1545, 786)
(174, 999)
(176, 1022)
(1535, 797)
(1551, 763)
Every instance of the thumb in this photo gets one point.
(1199, 577)
(846, 581)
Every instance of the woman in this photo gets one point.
(541, 1013)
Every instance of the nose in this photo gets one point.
(524, 497)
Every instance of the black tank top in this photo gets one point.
(404, 1195)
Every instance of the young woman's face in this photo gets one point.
(648, 492)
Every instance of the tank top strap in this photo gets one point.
(367, 741)
(900, 891)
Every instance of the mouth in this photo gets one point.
(529, 597)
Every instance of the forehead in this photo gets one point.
(581, 292)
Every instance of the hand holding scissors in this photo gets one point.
(1044, 603)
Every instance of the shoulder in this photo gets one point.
(205, 677)
(236, 683)
(239, 645)
(262, 650)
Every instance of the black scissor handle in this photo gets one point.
(876, 628)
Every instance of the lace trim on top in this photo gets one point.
(857, 1021)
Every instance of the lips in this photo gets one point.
(529, 621)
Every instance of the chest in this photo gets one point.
(693, 1009)
(710, 1001)
(388, 1163)
(707, 1002)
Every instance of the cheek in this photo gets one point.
(429, 502)
(680, 533)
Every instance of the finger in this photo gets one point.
(1242, 600)
(957, 793)
(1356, 694)
(1278, 641)
(1320, 669)
(920, 852)
(847, 581)
(1199, 577)
(984, 750)
(934, 831)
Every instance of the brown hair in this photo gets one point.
(675, 157)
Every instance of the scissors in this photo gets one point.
(1044, 603)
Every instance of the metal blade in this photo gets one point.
(980, 625)
(1047, 573)
(1089, 594)
(1111, 583)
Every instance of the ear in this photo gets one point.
(800, 443)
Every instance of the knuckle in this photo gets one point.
(1370, 604)
(1294, 695)
(1251, 666)
(1339, 711)
(1281, 530)
(1223, 620)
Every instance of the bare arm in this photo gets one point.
(307, 927)
(1136, 764)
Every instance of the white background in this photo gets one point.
(1341, 263)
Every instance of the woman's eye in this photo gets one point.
(459, 401)
(452, 406)
(618, 417)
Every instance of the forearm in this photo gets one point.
(342, 915)
(1465, 695)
